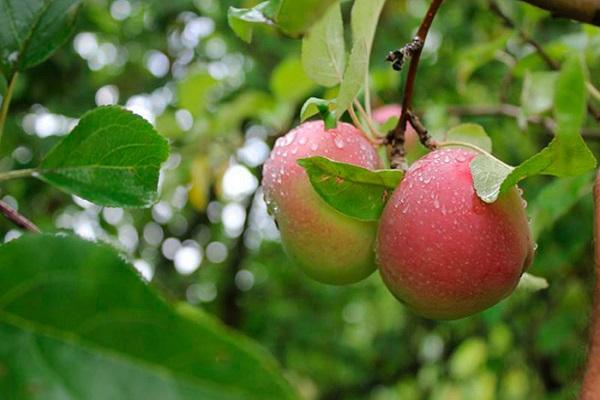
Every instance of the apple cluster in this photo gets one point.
(439, 249)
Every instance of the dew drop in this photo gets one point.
(302, 140)
(314, 146)
(339, 142)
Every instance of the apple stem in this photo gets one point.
(395, 138)
(591, 381)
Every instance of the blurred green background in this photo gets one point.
(210, 242)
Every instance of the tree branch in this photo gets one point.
(591, 381)
(579, 10)
(511, 111)
(395, 138)
(16, 218)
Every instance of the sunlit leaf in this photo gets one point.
(323, 49)
(111, 158)
(243, 20)
(365, 14)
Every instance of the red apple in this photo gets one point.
(442, 250)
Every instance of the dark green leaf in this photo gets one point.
(76, 322)
(3, 85)
(352, 190)
(566, 155)
(470, 133)
(31, 30)
(555, 200)
(111, 158)
(323, 49)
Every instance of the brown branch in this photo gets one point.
(395, 138)
(16, 218)
(511, 111)
(579, 10)
(551, 63)
(590, 389)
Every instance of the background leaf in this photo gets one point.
(296, 17)
(470, 133)
(31, 30)
(243, 20)
(566, 155)
(365, 14)
(355, 191)
(77, 322)
(555, 200)
(323, 49)
(111, 158)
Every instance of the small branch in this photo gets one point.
(552, 64)
(16, 218)
(395, 138)
(6, 102)
(579, 10)
(590, 389)
(17, 173)
(424, 136)
(511, 111)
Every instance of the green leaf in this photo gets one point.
(323, 49)
(555, 200)
(365, 14)
(77, 322)
(31, 30)
(315, 105)
(291, 16)
(474, 57)
(3, 85)
(111, 158)
(352, 190)
(470, 133)
(566, 155)
(538, 92)
(531, 283)
(289, 82)
(194, 91)
(243, 20)
(296, 17)
(488, 174)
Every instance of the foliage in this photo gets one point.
(180, 66)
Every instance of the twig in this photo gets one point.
(395, 138)
(551, 63)
(6, 101)
(16, 218)
(511, 111)
(424, 136)
(17, 173)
